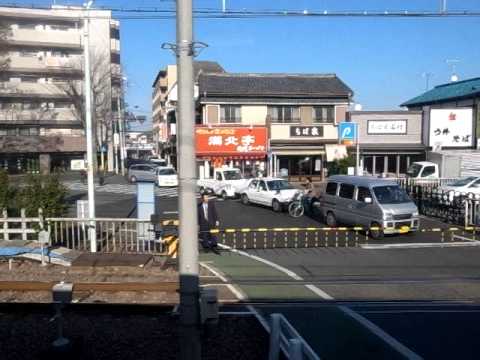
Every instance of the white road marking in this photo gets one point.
(455, 236)
(317, 291)
(420, 245)
(237, 292)
(395, 344)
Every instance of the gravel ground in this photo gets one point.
(130, 332)
(26, 270)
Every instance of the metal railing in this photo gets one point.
(19, 228)
(283, 336)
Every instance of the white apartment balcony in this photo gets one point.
(45, 64)
(39, 117)
(30, 37)
(24, 90)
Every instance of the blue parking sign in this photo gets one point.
(347, 131)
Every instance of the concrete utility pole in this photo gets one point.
(187, 207)
(92, 232)
(121, 133)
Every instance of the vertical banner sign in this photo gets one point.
(347, 133)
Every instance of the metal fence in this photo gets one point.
(283, 336)
(114, 235)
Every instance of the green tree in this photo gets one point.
(43, 192)
(6, 191)
(340, 167)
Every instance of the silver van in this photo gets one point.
(142, 172)
(370, 203)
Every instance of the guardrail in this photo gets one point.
(283, 336)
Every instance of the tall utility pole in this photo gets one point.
(443, 6)
(187, 208)
(92, 232)
(121, 134)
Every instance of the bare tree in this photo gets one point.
(5, 33)
(101, 90)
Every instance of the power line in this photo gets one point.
(145, 13)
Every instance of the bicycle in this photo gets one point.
(296, 207)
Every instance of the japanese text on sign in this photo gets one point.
(393, 127)
(451, 127)
(231, 140)
(306, 131)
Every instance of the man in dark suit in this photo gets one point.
(208, 220)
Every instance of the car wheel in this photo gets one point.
(133, 179)
(245, 199)
(377, 232)
(224, 195)
(276, 205)
(331, 219)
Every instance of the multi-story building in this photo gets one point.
(273, 123)
(164, 102)
(41, 91)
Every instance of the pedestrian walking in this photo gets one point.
(208, 220)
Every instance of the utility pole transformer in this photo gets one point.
(190, 346)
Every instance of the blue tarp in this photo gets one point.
(18, 250)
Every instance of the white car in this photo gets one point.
(271, 192)
(166, 176)
(468, 185)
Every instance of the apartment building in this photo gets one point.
(41, 91)
(280, 124)
(164, 102)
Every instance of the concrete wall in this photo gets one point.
(253, 114)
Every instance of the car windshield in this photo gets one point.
(391, 194)
(232, 175)
(166, 172)
(464, 181)
(414, 170)
(279, 185)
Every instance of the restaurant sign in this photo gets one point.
(306, 131)
(231, 140)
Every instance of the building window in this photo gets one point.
(115, 58)
(230, 114)
(3, 132)
(12, 132)
(60, 27)
(114, 33)
(27, 26)
(324, 114)
(29, 79)
(284, 114)
(28, 53)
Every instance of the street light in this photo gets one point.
(92, 232)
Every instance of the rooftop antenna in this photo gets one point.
(453, 64)
(427, 76)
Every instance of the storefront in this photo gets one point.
(389, 141)
(244, 147)
(299, 150)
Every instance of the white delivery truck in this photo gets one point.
(439, 165)
(227, 183)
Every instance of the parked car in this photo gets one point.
(166, 176)
(272, 192)
(368, 202)
(468, 185)
(226, 182)
(142, 172)
(158, 162)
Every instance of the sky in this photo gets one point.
(381, 59)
